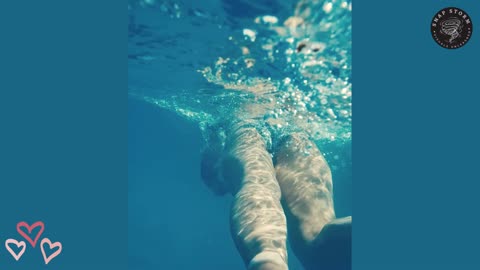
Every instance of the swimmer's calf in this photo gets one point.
(258, 223)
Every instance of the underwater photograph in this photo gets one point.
(239, 151)
(239, 134)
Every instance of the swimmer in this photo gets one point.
(282, 186)
(280, 190)
(290, 184)
(301, 182)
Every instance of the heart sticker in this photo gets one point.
(51, 246)
(30, 228)
(18, 244)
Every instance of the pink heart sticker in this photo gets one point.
(30, 229)
(51, 246)
(18, 244)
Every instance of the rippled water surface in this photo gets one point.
(285, 63)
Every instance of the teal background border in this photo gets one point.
(63, 133)
(415, 139)
(63, 117)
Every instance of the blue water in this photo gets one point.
(192, 64)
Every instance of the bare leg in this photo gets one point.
(258, 223)
(318, 239)
(306, 183)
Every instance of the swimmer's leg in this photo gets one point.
(258, 223)
(306, 183)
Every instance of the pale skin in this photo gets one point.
(289, 191)
(297, 187)
(294, 185)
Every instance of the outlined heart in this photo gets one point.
(30, 229)
(18, 244)
(51, 246)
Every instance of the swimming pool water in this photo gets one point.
(285, 63)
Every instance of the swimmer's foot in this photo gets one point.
(267, 261)
(332, 249)
(336, 235)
